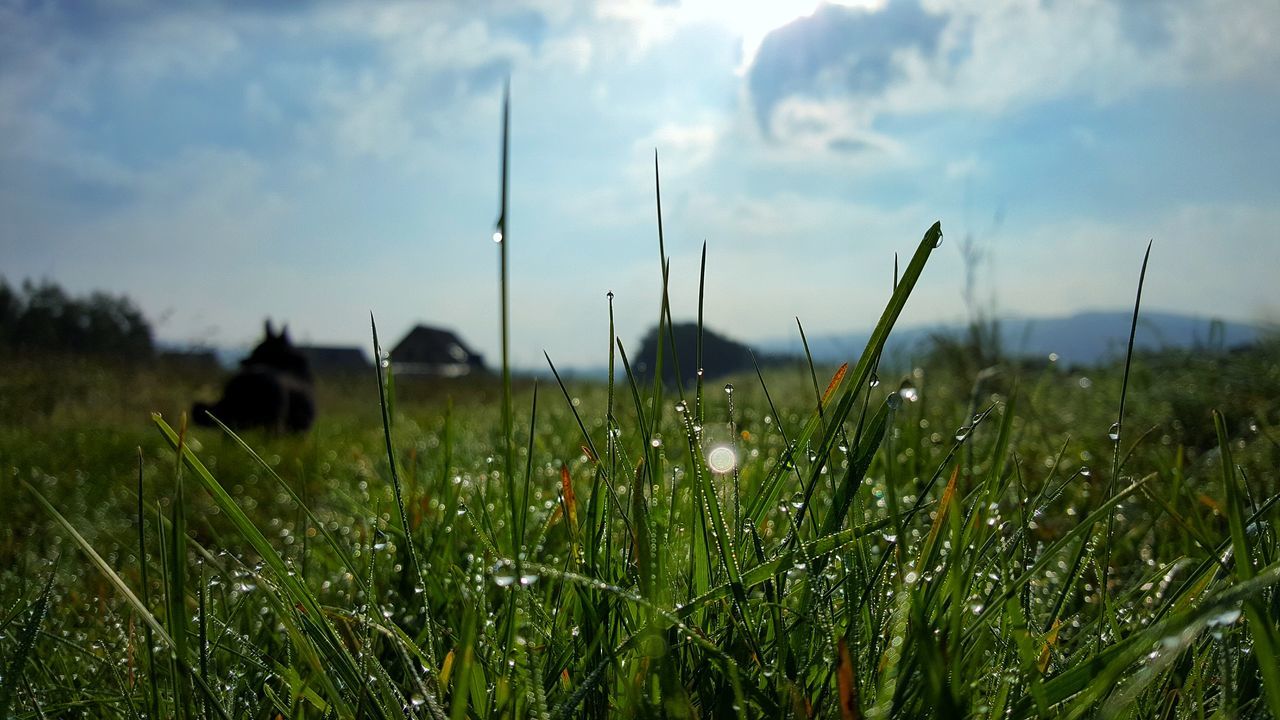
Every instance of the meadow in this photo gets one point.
(952, 535)
(938, 538)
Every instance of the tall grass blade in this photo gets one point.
(397, 489)
(175, 577)
(123, 588)
(26, 643)
(1262, 623)
(154, 682)
(318, 641)
(1116, 432)
(770, 489)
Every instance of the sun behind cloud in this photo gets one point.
(752, 21)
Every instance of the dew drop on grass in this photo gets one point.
(1085, 471)
(938, 242)
(721, 459)
(728, 389)
(874, 381)
(497, 236)
(797, 572)
(894, 401)
(908, 391)
(797, 501)
(1226, 617)
(963, 433)
(1114, 432)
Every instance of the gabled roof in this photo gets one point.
(434, 351)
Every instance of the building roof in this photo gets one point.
(329, 358)
(434, 351)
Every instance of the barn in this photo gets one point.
(335, 360)
(435, 352)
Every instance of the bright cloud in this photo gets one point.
(222, 162)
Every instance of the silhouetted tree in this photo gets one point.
(10, 308)
(43, 318)
(720, 355)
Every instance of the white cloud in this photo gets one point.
(992, 57)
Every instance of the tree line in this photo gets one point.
(41, 317)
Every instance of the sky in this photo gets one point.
(221, 162)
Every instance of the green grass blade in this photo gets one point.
(397, 490)
(154, 681)
(1078, 533)
(26, 642)
(1262, 625)
(771, 487)
(123, 588)
(324, 650)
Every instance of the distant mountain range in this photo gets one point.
(1080, 339)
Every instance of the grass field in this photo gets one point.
(900, 538)
(938, 539)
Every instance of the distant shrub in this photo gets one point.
(42, 318)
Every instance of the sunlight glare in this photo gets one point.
(755, 19)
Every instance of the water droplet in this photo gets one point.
(497, 236)
(503, 574)
(963, 433)
(681, 407)
(656, 442)
(908, 391)
(938, 242)
(610, 294)
(874, 381)
(528, 579)
(728, 388)
(722, 459)
(1053, 357)
(797, 500)
(1226, 617)
(894, 401)
(1114, 432)
(1085, 471)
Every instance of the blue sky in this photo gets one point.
(221, 162)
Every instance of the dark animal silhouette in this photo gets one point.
(272, 390)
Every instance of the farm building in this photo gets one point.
(433, 351)
(330, 360)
